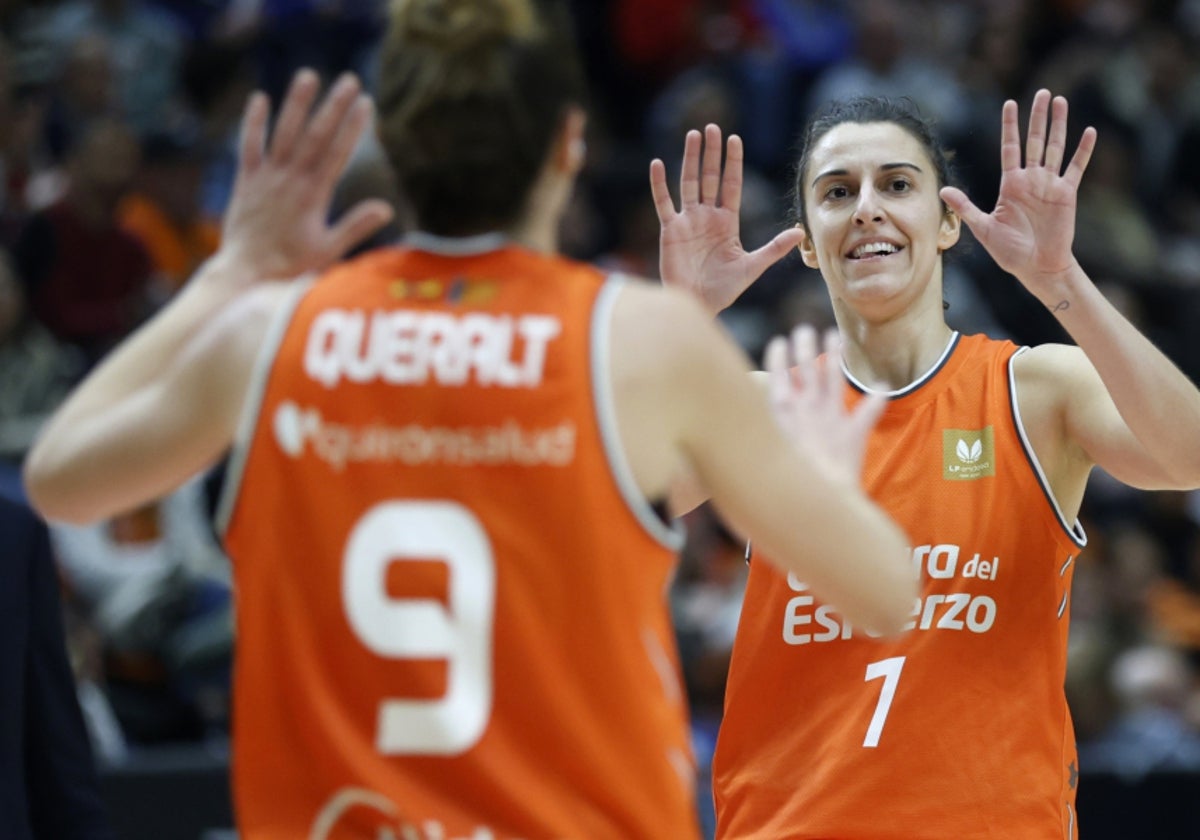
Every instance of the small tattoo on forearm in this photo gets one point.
(1062, 305)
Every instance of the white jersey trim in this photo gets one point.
(1075, 532)
(916, 383)
(244, 435)
(671, 536)
(455, 246)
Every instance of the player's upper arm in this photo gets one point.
(146, 443)
(828, 533)
(1073, 422)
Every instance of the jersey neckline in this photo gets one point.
(455, 246)
(916, 383)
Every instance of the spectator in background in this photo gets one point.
(86, 278)
(147, 46)
(36, 372)
(156, 586)
(329, 36)
(48, 785)
(1151, 733)
(886, 63)
(22, 115)
(84, 91)
(217, 78)
(163, 210)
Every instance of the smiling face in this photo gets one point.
(875, 223)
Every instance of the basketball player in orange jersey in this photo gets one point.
(449, 458)
(958, 728)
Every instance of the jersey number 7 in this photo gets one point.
(890, 670)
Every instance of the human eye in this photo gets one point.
(835, 192)
(900, 184)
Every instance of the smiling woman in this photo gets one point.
(959, 728)
(867, 191)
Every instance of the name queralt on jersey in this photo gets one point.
(805, 621)
(406, 347)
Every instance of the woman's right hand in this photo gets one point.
(277, 223)
(700, 246)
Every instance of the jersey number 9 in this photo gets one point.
(459, 631)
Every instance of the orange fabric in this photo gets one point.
(449, 548)
(175, 252)
(957, 729)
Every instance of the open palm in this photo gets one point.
(1030, 232)
(277, 223)
(700, 246)
(806, 396)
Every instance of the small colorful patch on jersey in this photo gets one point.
(968, 454)
(453, 289)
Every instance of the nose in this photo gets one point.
(868, 208)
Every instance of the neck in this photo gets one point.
(536, 233)
(895, 353)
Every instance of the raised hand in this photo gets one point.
(700, 246)
(277, 225)
(1030, 232)
(806, 397)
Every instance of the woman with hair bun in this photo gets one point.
(450, 462)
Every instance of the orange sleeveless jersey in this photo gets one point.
(959, 728)
(451, 600)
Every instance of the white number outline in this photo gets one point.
(890, 670)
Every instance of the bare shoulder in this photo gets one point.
(1050, 375)
(667, 328)
(1050, 363)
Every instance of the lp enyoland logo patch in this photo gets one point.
(968, 454)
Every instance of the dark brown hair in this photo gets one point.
(902, 112)
(471, 94)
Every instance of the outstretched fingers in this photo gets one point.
(832, 370)
(804, 356)
(966, 209)
(293, 114)
(760, 259)
(1056, 148)
(1035, 145)
(710, 165)
(689, 171)
(1079, 161)
(337, 146)
(664, 205)
(779, 376)
(358, 223)
(341, 107)
(1010, 138)
(253, 138)
(731, 181)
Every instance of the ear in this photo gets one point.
(949, 230)
(571, 150)
(808, 251)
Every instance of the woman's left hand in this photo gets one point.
(1030, 232)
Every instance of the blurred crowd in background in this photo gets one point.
(117, 156)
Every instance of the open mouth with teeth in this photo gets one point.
(874, 249)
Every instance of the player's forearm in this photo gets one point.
(78, 432)
(1158, 402)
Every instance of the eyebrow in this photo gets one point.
(887, 167)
